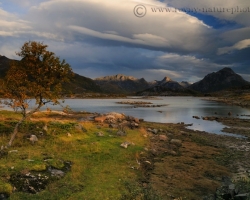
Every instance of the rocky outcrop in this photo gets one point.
(121, 84)
(166, 87)
(221, 80)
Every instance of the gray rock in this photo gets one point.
(33, 139)
(69, 135)
(100, 134)
(121, 133)
(176, 142)
(45, 128)
(80, 128)
(125, 144)
(57, 173)
(149, 130)
(163, 137)
(134, 125)
(155, 131)
(113, 126)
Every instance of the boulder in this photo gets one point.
(100, 134)
(100, 119)
(196, 117)
(113, 126)
(33, 139)
(134, 125)
(80, 128)
(163, 137)
(137, 121)
(125, 144)
(176, 142)
(121, 133)
(154, 131)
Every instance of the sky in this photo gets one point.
(182, 39)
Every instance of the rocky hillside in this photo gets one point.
(166, 87)
(121, 84)
(77, 85)
(224, 79)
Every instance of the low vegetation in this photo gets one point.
(151, 168)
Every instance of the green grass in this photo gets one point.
(100, 167)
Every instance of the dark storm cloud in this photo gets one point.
(105, 37)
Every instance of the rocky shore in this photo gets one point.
(231, 101)
(188, 164)
(136, 104)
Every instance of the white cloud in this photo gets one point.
(238, 46)
(114, 20)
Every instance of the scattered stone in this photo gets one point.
(98, 127)
(113, 126)
(80, 128)
(33, 139)
(163, 137)
(13, 151)
(69, 135)
(173, 153)
(137, 120)
(125, 144)
(176, 142)
(100, 134)
(57, 173)
(100, 119)
(154, 131)
(45, 128)
(196, 117)
(121, 133)
(134, 125)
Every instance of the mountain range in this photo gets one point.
(79, 85)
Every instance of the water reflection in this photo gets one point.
(179, 109)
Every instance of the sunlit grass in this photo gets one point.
(99, 165)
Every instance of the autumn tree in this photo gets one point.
(38, 75)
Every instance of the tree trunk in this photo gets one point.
(15, 131)
(25, 116)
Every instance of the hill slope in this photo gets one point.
(77, 85)
(221, 80)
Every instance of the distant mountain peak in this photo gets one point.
(216, 81)
(166, 79)
(117, 77)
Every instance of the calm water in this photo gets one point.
(179, 109)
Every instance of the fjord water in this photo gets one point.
(178, 109)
